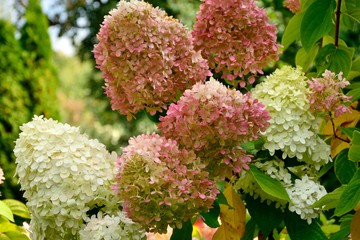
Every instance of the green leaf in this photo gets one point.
(268, 184)
(221, 199)
(305, 59)
(330, 200)
(349, 131)
(6, 211)
(184, 233)
(292, 31)
(354, 151)
(249, 230)
(344, 169)
(267, 217)
(344, 232)
(299, 229)
(335, 59)
(18, 208)
(356, 64)
(305, 4)
(350, 197)
(221, 186)
(324, 169)
(317, 22)
(14, 235)
(355, 72)
(7, 226)
(354, 14)
(341, 234)
(211, 217)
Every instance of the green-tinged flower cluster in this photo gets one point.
(64, 174)
(293, 127)
(162, 185)
(111, 227)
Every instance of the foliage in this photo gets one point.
(28, 84)
(14, 103)
(11, 212)
(42, 80)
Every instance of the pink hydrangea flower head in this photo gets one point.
(213, 121)
(293, 5)
(146, 57)
(235, 37)
(326, 95)
(160, 184)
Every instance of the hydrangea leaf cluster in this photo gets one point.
(293, 127)
(293, 5)
(63, 173)
(111, 227)
(235, 37)
(213, 121)
(326, 95)
(304, 193)
(160, 184)
(146, 57)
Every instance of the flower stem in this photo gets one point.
(337, 23)
(334, 130)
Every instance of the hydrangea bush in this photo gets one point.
(220, 149)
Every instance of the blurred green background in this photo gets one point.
(34, 79)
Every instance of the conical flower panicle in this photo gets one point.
(146, 57)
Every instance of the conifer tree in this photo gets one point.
(14, 102)
(42, 79)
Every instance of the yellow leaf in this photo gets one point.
(355, 226)
(232, 218)
(344, 120)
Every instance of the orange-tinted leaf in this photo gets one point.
(344, 120)
(355, 226)
(232, 218)
(337, 146)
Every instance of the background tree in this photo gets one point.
(14, 102)
(42, 80)
(28, 84)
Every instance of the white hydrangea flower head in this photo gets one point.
(303, 194)
(293, 128)
(111, 227)
(276, 170)
(63, 173)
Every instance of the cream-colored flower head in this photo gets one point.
(63, 173)
(293, 127)
(111, 227)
